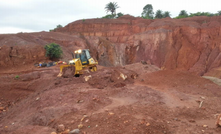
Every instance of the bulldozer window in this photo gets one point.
(87, 54)
(84, 59)
(77, 55)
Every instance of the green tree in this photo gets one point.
(183, 13)
(166, 14)
(109, 16)
(111, 7)
(219, 13)
(119, 14)
(59, 26)
(159, 14)
(200, 14)
(147, 11)
(53, 51)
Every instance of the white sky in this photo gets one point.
(43, 15)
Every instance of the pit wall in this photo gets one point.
(186, 44)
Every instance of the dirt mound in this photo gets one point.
(182, 81)
(114, 77)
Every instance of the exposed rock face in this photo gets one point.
(19, 51)
(188, 44)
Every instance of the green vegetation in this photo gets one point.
(111, 7)
(119, 14)
(17, 77)
(166, 14)
(219, 13)
(58, 26)
(201, 14)
(109, 16)
(182, 14)
(159, 14)
(53, 51)
(147, 12)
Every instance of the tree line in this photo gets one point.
(149, 14)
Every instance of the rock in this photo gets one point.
(218, 122)
(75, 131)
(2, 108)
(110, 113)
(85, 116)
(53, 133)
(60, 128)
(205, 126)
(148, 124)
(202, 97)
(176, 119)
(133, 76)
(143, 62)
(66, 131)
(86, 78)
(191, 120)
(80, 126)
(123, 76)
(80, 101)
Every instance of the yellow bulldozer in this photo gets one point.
(82, 61)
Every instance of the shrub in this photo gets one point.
(109, 16)
(17, 77)
(53, 51)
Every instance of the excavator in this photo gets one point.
(82, 61)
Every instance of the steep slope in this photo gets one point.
(191, 44)
(188, 44)
(20, 51)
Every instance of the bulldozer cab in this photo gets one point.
(83, 55)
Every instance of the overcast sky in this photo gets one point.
(43, 15)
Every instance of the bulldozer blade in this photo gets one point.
(66, 72)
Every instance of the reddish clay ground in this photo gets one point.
(134, 99)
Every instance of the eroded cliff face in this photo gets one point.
(19, 52)
(192, 44)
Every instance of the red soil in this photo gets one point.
(149, 100)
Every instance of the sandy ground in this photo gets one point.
(134, 99)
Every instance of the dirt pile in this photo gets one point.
(115, 77)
